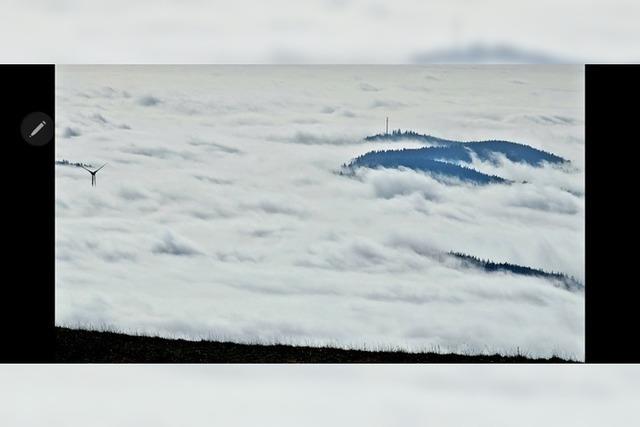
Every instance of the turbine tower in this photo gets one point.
(386, 128)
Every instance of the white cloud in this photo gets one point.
(172, 245)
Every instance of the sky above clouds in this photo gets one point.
(220, 213)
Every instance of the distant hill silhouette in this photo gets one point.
(423, 160)
(482, 53)
(443, 157)
(399, 135)
(65, 162)
(569, 283)
(451, 150)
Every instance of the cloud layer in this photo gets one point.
(221, 213)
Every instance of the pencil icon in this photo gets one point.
(37, 128)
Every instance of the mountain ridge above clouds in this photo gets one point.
(449, 158)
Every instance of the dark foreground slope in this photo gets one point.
(77, 346)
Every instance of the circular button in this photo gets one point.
(37, 128)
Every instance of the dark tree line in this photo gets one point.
(569, 282)
(65, 162)
(485, 150)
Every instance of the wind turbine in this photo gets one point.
(93, 173)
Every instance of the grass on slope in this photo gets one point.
(84, 346)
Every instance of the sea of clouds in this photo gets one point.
(221, 214)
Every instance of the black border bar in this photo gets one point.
(27, 333)
(611, 128)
